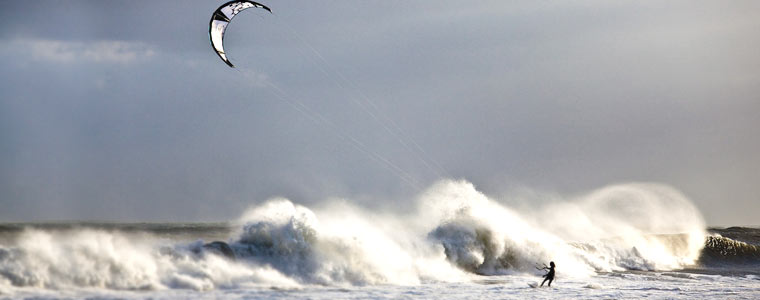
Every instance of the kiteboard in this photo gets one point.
(533, 284)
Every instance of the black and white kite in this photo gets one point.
(221, 18)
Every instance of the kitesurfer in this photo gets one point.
(549, 275)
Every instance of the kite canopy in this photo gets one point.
(221, 18)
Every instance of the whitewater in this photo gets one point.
(621, 241)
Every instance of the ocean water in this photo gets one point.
(622, 241)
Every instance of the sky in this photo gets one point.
(121, 110)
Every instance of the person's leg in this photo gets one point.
(542, 282)
(550, 281)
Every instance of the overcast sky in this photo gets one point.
(120, 110)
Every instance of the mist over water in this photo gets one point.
(454, 233)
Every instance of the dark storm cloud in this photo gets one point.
(121, 110)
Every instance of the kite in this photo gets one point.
(221, 18)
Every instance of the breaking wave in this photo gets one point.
(454, 233)
(721, 251)
(110, 260)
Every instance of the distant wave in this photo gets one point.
(720, 251)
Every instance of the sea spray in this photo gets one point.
(455, 233)
(485, 237)
(86, 258)
(616, 228)
(631, 226)
(345, 245)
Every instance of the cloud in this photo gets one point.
(103, 51)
